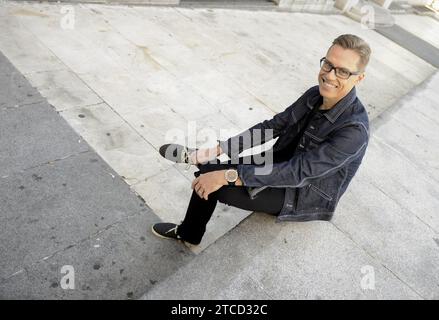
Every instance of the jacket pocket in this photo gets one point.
(313, 198)
(321, 192)
(253, 191)
(310, 141)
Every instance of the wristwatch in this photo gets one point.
(231, 176)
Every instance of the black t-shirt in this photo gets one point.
(287, 153)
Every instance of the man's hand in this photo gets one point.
(205, 155)
(208, 182)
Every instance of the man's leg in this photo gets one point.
(200, 211)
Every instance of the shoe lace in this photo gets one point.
(174, 230)
(186, 159)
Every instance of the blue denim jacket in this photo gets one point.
(329, 154)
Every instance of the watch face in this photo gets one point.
(231, 175)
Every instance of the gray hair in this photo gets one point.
(355, 43)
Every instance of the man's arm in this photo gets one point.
(342, 147)
(245, 140)
(261, 132)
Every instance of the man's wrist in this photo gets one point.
(222, 177)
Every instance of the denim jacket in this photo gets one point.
(329, 154)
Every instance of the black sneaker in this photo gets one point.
(176, 153)
(169, 231)
(166, 230)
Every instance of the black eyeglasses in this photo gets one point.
(341, 73)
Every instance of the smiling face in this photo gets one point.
(333, 88)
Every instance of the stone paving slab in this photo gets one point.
(16, 90)
(24, 131)
(56, 205)
(63, 89)
(412, 43)
(423, 27)
(118, 143)
(18, 51)
(393, 235)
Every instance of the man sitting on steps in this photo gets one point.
(322, 138)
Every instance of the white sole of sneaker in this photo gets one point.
(187, 244)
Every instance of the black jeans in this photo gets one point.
(199, 211)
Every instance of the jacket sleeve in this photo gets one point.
(342, 147)
(261, 132)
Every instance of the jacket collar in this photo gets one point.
(336, 110)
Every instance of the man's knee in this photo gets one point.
(231, 195)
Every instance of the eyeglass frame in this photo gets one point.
(337, 68)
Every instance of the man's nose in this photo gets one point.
(331, 74)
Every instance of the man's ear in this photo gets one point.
(360, 78)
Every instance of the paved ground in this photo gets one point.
(411, 42)
(121, 78)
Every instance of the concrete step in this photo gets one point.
(118, 2)
(232, 4)
(256, 4)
